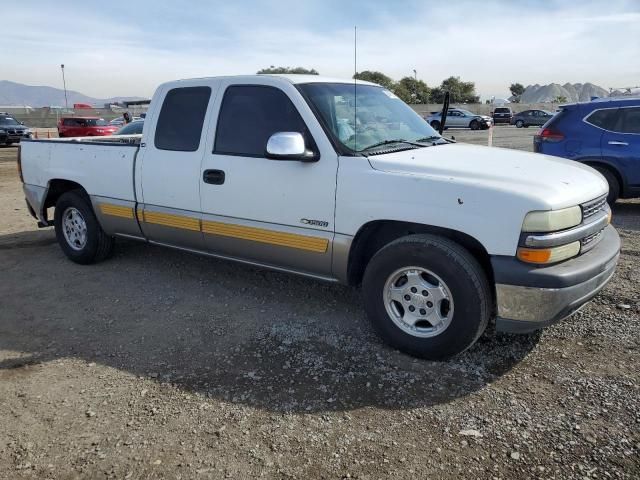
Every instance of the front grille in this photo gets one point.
(589, 209)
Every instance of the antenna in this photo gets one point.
(355, 87)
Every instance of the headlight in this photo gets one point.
(552, 220)
(549, 255)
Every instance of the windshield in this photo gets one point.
(96, 122)
(8, 121)
(131, 129)
(378, 118)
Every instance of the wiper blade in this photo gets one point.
(429, 139)
(389, 142)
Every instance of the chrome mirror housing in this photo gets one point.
(288, 146)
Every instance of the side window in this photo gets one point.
(68, 122)
(250, 114)
(630, 120)
(604, 118)
(179, 126)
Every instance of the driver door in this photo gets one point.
(274, 212)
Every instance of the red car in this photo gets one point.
(84, 127)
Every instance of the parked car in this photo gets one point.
(459, 118)
(502, 115)
(118, 122)
(529, 118)
(11, 130)
(132, 128)
(604, 134)
(439, 234)
(84, 127)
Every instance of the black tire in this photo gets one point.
(462, 274)
(435, 124)
(98, 245)
(519, 124)
(614, 184)
(474, 125)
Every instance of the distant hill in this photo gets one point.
(577, 92)
(12, 93)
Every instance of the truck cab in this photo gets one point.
(341, 181)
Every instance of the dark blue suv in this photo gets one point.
(604, 134)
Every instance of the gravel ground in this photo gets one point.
(161, 364)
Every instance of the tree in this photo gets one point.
(560, 99)
(411, 90)
(295, 70)
(516, 89)
(375, 77)
(461, 92)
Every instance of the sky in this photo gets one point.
(127, 48)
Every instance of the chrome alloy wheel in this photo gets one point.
(418, 302)
(74, 228)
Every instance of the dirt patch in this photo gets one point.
(161, 364)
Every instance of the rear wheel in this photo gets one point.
(427, 296)
(77, 230)
(474, 125)
(435, 125)
(519, 123)
(614, 185)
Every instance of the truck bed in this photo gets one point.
(104, 166)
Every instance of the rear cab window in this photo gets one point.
(181, 119)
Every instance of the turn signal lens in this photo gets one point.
(543, 256)
(552, 220)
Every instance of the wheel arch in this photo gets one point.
(374, 235)
(58, 186)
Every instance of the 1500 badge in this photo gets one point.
(315, 223)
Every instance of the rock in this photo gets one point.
(470, 433)
(515, 455)
(90, 413)
(624, 306)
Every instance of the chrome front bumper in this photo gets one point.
(524, 308)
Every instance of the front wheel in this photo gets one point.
(77, 230)
(519, 124)
(427, 296)
(474, 125)
(435, 125)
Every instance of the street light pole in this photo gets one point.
(415, 85)
(64, 83)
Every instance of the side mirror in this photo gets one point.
(289, 146)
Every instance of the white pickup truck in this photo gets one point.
(343, 182)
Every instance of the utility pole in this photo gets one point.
(64, 83)
(415, 85)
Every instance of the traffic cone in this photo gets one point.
(36, 134)
(48, 134)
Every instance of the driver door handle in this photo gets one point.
(614, 142)
(213, 177)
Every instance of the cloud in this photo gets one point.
(128, 49)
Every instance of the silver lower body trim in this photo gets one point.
(525, 309)
(35, 196)
(247, 262)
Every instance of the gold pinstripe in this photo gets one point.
(262, 235)
(116, 210)
(292, 240)
(169, 220)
